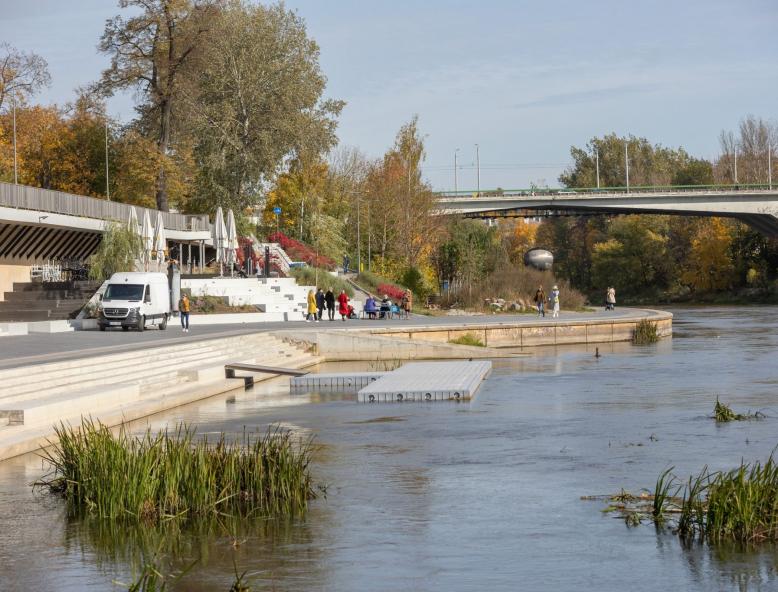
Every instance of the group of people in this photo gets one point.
(375, 310)
(552, 299)
(319, 301)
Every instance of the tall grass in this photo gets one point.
(468, 339)
(645, 332)
(321, 278)
(176, 474)
(723, 413)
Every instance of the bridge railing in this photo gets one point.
(58, 202)
(571, 191)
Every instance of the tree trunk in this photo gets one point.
(163, 144)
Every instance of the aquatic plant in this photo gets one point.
(468, 339)
(723, 413)
(176, 474)
(740, 505)
(645, 332)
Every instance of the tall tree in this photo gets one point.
(22, 74)
(150, 53)
(260, 103)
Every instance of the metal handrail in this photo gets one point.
(57, 202)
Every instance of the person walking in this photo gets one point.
(540, 301)
(406, 304)
(610, 299)
(554, 301)
(346, 262)
(343, 305)
(183, 310)
(311, 307)
(329, 299)
(320, 303)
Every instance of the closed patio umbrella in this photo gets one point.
(160, 240)
(232, 240)
(220, 239)
(132, 221)
(147, 239)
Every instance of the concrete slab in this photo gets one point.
(49, 327)
(428, 381)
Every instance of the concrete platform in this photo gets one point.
(344, 382)
(427, 381)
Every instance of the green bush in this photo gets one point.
(119, 249)
(645, 332)
(468, 339)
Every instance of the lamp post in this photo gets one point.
(626, 162)
(478, 170)
(16, 177)
(597, 158)
(107, 186)
(455, 170)
(769, 165)
(277, 212)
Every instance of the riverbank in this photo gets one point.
(133, 375)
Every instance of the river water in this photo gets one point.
(471, 496)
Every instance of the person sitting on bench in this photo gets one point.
(386, 306)
(370, 307)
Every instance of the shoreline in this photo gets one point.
(135, 381)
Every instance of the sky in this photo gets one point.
(525, 80)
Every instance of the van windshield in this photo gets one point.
(132, 292)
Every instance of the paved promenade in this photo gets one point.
(43, 348)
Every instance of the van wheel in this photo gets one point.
(142, 323)
(163, 324)
(102, 327)
(125, 328)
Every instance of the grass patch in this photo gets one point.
(645, 332)
(308, 276)
(723, 413)
(468, 339)
(176, 474)
(738, 506)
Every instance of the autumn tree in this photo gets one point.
(260, 103)
(709, 266)
(151, 52)
(22, 74)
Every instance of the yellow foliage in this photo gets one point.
(299, 189)
(710, 266)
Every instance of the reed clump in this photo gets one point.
(723, 413)
(740, 505)
(177, 474)
(645, 332)
(468, 339)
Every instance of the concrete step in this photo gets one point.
(52, 368)
(74, 378)
(49, 410)
(41, 304)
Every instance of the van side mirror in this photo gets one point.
(99, 297)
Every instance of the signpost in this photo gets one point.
(277, 212)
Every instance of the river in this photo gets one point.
(471, 496)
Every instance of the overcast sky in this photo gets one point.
(523, 79)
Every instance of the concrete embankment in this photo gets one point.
(540, 332)
(129, 384)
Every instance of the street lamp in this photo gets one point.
(455, 169)
(478, 170)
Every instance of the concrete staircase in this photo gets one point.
(36, 301)
(129, 385)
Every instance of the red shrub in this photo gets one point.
(301, 252)
(394, 292)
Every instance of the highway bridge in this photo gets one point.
(756, 205)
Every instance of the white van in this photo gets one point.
(135, 299)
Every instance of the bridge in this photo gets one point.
(755, 205)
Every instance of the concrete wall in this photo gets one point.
(10, 274)
(541, 333)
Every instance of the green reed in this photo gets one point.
(645, 332)
(177, 474)
(723, 413)
(468, 339)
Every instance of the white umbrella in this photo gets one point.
(232, 240)
(219, 237)
(132, 222)
(147, 238)
(160, 240)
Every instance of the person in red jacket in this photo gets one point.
(343, 305)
